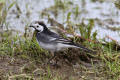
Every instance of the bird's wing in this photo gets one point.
(59, 39)
(72, 44)
(53, 37)
(56, 38)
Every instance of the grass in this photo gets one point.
(22, 58)
(4, 8)
(117, 4)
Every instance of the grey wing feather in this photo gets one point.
(55, 37)
(48, 37)
(59, 39)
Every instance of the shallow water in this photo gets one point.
(105, 12)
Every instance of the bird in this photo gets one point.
(52, 41)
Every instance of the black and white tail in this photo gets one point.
(84, 48)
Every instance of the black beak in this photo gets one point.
(32, 26)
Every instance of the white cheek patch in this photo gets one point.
(40, 28)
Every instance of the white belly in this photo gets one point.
(54, 47)
(48, 46)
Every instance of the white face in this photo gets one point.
(37, 26)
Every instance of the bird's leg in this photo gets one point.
(54, 55)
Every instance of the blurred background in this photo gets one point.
(105, 14)
(94, 24)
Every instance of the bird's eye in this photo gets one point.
(37, 26)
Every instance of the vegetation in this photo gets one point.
(21, 58)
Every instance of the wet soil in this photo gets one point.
(13, 68)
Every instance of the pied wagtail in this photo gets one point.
(51, 41)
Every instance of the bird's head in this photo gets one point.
(38, 26)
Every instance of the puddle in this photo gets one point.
(105, 12)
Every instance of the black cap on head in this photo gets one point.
(41, 23)
(35, 25)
